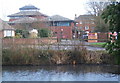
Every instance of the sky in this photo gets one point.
(66, 8)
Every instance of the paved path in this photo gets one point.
(66, 45)
(70, 45)
(77, 42)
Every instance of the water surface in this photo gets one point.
(60, 73)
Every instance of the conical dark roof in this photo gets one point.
(29, 7)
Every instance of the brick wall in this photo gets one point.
(27, 41)
(82, 27)
(92, 37)
(102, 37)
(97, 37)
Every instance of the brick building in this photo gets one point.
(61, 26)
(85, 24)
(29, 18)
(6, 30)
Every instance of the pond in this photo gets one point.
(61, 73)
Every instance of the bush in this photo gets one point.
(111, 16)
(43, 32)
(8, 37)
(21, 33)
(31, 56)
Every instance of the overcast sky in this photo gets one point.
(66, 8)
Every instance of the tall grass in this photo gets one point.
(18, 55)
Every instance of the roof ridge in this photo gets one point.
(25, 13)
(59, 18)
(4, 25)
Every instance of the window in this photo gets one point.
(17, 17)
(63, 24)
(76, 23)
(86, 27)
(11, 23)
(8, 33)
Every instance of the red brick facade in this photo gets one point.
(60, 26)
(98, 37)
(64, 32)
(83, 27)
(85, 23)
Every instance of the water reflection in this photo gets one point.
(61, 73)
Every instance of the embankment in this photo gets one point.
(32, 56)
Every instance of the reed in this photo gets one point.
(31, 56)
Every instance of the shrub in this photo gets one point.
(31, 56)
(43, 32)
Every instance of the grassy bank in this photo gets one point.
(31, 56)
(99, 44)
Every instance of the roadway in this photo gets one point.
(64, 45)
(69, 45)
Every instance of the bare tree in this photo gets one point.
(95, 8)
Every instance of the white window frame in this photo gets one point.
(9, 33)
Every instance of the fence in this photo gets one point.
(98, 37)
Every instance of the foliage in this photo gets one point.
(18, 35)
(25, 33)
(8, 37)
(21, 33)
(44, 32)
(18, 31)
(100, 25)
(111, 15)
